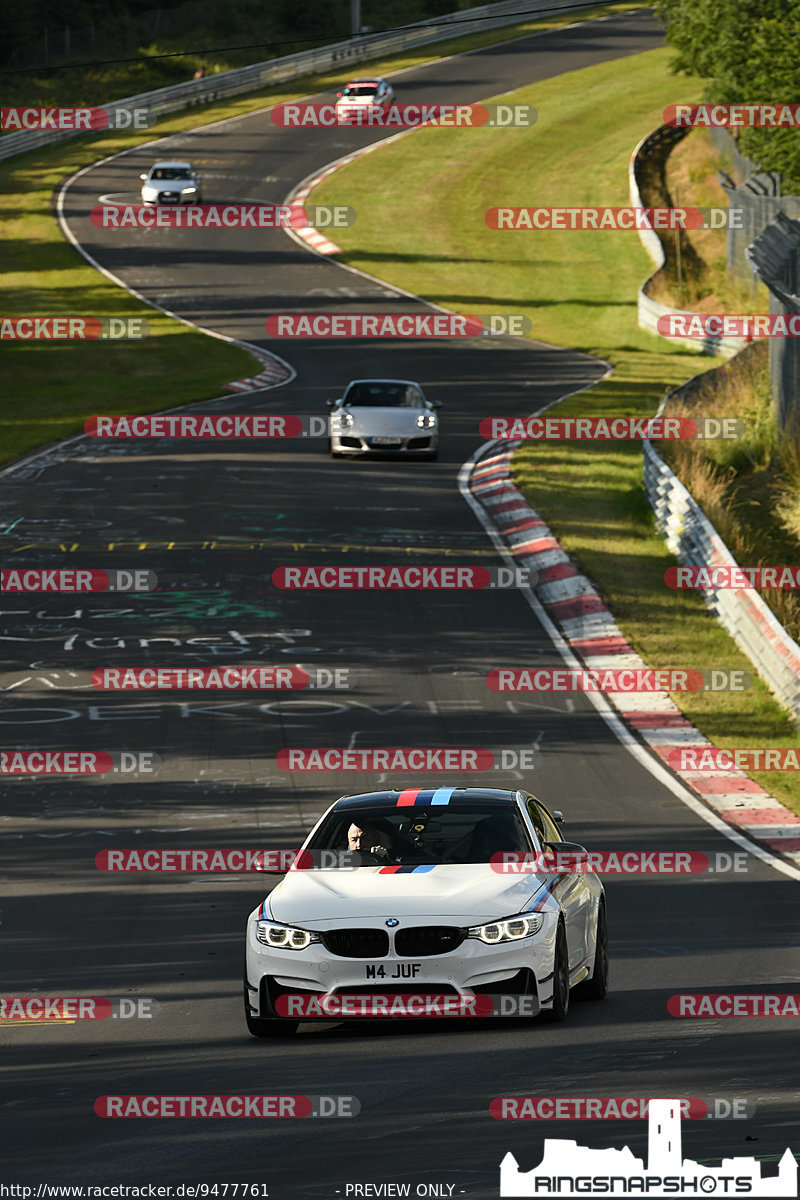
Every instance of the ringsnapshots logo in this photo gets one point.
(570, 1170)
(396, 325)
(66, 581)
(75, 120)
(610, 429)
(73, 329)
(404, 116)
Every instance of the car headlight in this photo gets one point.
(284, 937)
(426, 421)
(345, 419)
(189, 187)
(513, 929)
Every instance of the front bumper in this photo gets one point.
(348, 442)
(170, 198)
(511, 968)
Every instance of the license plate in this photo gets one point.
(385, 441)
(392, 973)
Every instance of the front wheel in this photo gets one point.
(596, 986)
(560, 979)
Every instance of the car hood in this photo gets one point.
(463, 894)
(385, 422)
(356, 101)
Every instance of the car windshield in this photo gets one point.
(171, 173)
(360, 89)
(415, 836)
(383, 395)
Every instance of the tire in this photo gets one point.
(596, 986)
(267, 1027)
(560, 979)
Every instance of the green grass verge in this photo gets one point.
(50, 389)
(579, 289)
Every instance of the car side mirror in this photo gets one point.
(330, 403)
(573, 849)
(559, 816)
(143, 177)
(435, 403)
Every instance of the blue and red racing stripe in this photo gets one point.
(406, 870)
(412, 797)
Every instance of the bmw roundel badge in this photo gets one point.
(392, 922)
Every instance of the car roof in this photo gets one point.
(170, 162)
(389, 799)
(407, 382)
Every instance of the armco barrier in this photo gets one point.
(307, 62)
(693, 540)
(650, 310)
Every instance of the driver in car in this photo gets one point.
(371, 840)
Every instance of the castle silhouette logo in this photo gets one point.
(568, 1169)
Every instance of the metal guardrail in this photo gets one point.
(692, 538)
(694, 541)
(306, 62)
(649, 310)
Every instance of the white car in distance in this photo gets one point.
(171, 183)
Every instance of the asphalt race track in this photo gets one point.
(213, 520)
